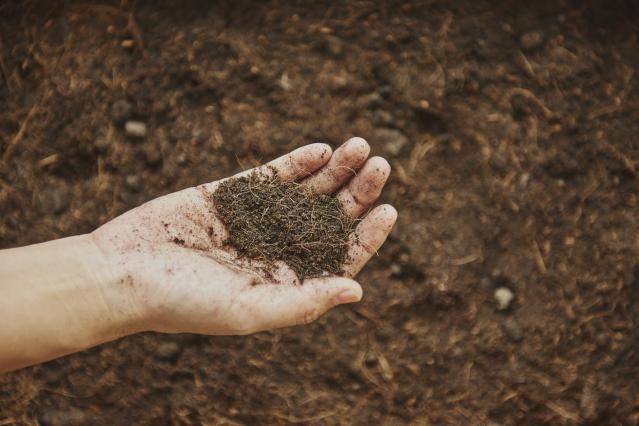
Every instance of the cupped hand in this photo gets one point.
(179, 276)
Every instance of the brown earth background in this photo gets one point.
(512, 129)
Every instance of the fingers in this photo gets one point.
(362, 191)
(344, 163)
(276, 306)
(297, 164)
(368, 237)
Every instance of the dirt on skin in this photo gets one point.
(511, 128)
(269, 220)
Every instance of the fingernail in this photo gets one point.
(347, 296)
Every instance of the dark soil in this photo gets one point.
(512, 129)
(269, 220)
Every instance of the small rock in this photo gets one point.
(503, 296)
(168, 350)
(396, 269)
(121, 110)
(393, 140)
(68, 416)
(181, 159)
(285, 82)
(133, 182)
(513, 330)
(128, 44)
(135, 129)
(531, 40)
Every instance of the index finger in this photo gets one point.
(297, 164)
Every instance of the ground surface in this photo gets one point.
(513, 134)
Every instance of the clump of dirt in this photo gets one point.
(271, 220)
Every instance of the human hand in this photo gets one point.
(178, 275)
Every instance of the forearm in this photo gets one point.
(57, 298)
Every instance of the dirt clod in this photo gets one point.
(270, 220)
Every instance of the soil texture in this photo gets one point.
(508, 291)
(269, 220)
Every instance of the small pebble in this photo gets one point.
(531, 40)
(503, 296)
(285, 82)
(135, 129)
(133, 182)
(396, 269)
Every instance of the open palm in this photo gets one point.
(181, 277)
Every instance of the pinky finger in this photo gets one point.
(368, 237)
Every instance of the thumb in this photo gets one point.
(277, 306)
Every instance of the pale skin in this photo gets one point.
(164, 267)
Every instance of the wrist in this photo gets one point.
(113, 287)
(63, 294)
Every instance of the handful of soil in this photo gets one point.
(270, 220)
